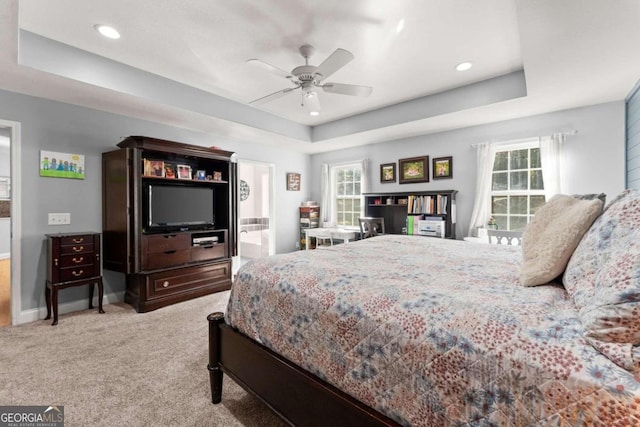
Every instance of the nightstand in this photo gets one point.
(73, 260)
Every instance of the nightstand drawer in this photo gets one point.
(76, 240)
(77, 273)
(78, 260)
(79, 248)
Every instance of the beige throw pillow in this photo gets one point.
(552, 235)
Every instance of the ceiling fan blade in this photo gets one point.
(338, 59)
(343, 89)
(273, 96)
(272, 69)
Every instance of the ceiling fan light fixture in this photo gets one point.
(107, 31)
(464, 66)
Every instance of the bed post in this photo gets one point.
(215, 373)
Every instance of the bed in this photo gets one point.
(409, 330)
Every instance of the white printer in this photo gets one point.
(431, 227)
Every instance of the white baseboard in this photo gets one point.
(39, 313)
(5, 256)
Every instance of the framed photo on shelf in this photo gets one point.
(154, 168)
(293, 181)
(388, 172)
(169, 171)
(442, 167)
(414, 169)
(184, 172)
(201, 175)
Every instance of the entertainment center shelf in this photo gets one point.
(169, 219)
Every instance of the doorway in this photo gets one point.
(5, 226)
(255, 210)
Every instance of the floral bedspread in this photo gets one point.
(433, 332)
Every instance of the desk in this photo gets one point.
(336, 233)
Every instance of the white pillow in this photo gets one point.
(552, 235)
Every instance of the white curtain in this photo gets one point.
(481, 204)
(364, 176)
(324, 194)
(551, 159)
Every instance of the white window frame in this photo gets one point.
(333, 171)
(529, 144)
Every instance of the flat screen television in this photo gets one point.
(170, 207)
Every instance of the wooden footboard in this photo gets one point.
(294, 394)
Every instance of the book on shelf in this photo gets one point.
(433, 204)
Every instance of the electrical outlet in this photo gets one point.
(59, 218)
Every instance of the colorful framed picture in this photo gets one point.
(61, 165)
(414, 169)
(388, 172)
(169, 171)
(442, 167)
(293, 181)
(154, 168)
(184, 172)
(201, 175)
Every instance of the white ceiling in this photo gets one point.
(573, 53)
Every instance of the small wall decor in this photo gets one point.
(293, 181)
(184, 172)
(388, 172)
(414, 169)
(442, 167)
(61, 165)
(245, 190)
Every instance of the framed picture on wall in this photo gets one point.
(293, 181)
(442, 167)
(61, 165)
(388, 172)
(414, 169)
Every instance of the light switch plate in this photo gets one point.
(59, 218)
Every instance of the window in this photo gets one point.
(346, 183)
(517, 187)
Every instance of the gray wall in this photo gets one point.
(54, 126)
(594, 157)
(633, 138)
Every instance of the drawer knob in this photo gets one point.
(80, 249)
(77, 260)
(78, 240)
(77, 273)
(165, 284)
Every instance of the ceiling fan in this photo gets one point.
(309, 78)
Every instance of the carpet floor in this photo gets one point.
(125, 368)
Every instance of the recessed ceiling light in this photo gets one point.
(400, 26)
(107, 31)
(464, 66)
(314, 113)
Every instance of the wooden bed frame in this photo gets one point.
(297, 396)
